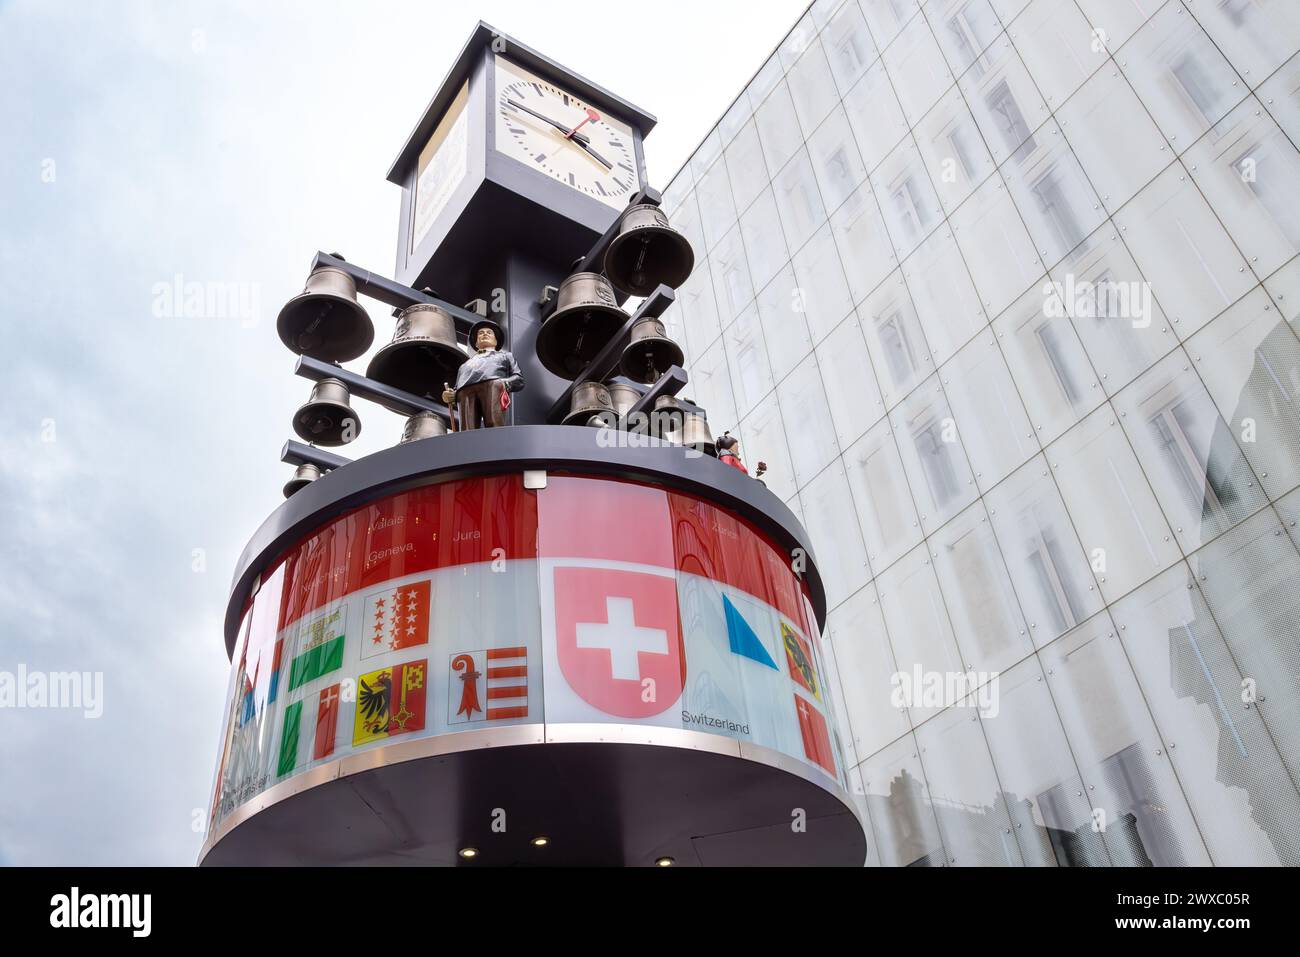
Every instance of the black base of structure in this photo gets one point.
(601, 801)
(556, 448)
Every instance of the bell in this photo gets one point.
(623, 397)
(666, 419)
(423, 354)
(647, 252)
(586, 317)
(423, 425)
(325, 321)
(304, 476)
(326, 418)
(591, 405)
(696, 434)
(650, 352)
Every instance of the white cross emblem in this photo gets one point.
(622, 637)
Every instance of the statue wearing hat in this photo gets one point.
(729, 453)
(484, 382)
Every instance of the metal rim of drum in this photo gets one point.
(325, 321)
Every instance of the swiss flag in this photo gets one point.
(619, 639)
(816, 737)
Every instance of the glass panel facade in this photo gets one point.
(1006, 295)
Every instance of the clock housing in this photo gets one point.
(474, 192)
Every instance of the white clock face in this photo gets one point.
(554, 132)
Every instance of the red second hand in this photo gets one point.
(592, 117)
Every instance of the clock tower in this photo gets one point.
(585, 617)
(517, 166)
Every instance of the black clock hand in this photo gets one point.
(579, 138)
(594, 155)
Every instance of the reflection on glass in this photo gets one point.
(964, 29)
(1200, 476)
(964, 793)
(1180, 76)
(885, 511)
(1048, 568)
(848, 46)
(1223, 750)
(1122, 760)
(900, 811)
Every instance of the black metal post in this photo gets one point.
(395, 400)
(670, 383)
(389, 292)
(296, 453)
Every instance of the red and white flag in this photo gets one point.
(488, 685)
(327, 723)
(396, 618)
(618, 638)
(816, 736)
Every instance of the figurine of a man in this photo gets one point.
(484, 382)
(729, 454)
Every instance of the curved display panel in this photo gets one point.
(477, 603)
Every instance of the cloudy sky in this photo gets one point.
(147, 143)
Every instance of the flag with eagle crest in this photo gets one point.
(390, 702)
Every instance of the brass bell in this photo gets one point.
(326, 418)
(302, 477)
(325, 321)
(648, 252)
(696, 435)
(591, 405)
(585, 319)
(423, 354)
(623, 397)
(423, 425)
(666, 419)
(650, 352)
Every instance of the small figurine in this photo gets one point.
(729, 453)
(484, 382)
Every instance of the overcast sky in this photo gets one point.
(218, 143)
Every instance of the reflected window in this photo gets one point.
(1255, 167)
(1061, 597)
(909, 202)
(1204, 485)
(1055, 207)
(971, 29)
(1011, 122)
(1049, 337)
(847, 53)
(1236, 10)
(959, 138)
(1197, 84)
(898, 348)
(936, 459)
